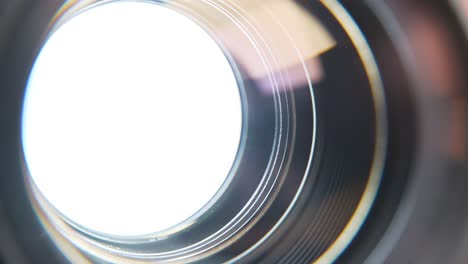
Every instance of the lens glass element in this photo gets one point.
(130, 126)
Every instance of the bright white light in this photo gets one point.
(132, 119)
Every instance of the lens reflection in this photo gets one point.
(129, 126)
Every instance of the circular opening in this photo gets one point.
(132, 119)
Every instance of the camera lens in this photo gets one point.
(233, 132)
(137, 149)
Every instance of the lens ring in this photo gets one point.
(276, 192)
